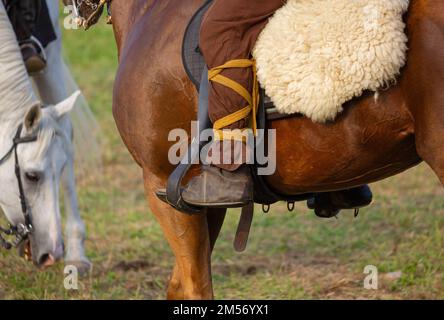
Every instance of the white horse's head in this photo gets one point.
(41, 163)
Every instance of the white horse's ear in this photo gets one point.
(66, 105)
(33, 117)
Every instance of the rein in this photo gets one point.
(86, 22)
(21, 230)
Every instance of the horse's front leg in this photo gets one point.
(189, 239)
(215, 218)
(75, 228)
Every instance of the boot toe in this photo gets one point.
(35, 64)
(214, 188)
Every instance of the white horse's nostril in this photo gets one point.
(46, 260)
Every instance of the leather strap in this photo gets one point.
(243, 229)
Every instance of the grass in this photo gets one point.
(290, 255)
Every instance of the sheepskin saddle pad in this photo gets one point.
(315, 55)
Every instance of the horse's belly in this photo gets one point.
(362, 146)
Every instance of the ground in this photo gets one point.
(290, 255)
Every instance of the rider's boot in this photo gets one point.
(24, 15)
(328, 204)
(32, 55)
(216, 187)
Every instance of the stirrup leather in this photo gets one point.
(252, 99)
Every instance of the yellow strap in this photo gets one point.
(232, 118)
(237, 135)
(228, 120)
(252, 99)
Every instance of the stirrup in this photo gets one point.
(173, 192)
(173, 195)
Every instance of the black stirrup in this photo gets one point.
(173, 193)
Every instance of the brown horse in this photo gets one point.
(373, 139)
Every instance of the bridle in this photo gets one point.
(22, 230)
(96, 8)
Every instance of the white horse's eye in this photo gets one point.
(32, 176)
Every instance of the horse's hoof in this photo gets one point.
(84, 266)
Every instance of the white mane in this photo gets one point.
(17, 95)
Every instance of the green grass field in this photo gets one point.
(290, 255)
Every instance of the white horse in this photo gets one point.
(48, 160)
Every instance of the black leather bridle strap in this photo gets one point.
(6, 156)
(21, 231)
(17, 141)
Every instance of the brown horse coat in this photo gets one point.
(371, 140)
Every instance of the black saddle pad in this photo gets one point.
(192, 57)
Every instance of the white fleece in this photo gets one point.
(315, 55)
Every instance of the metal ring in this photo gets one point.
(290, 206)
(266, 208)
